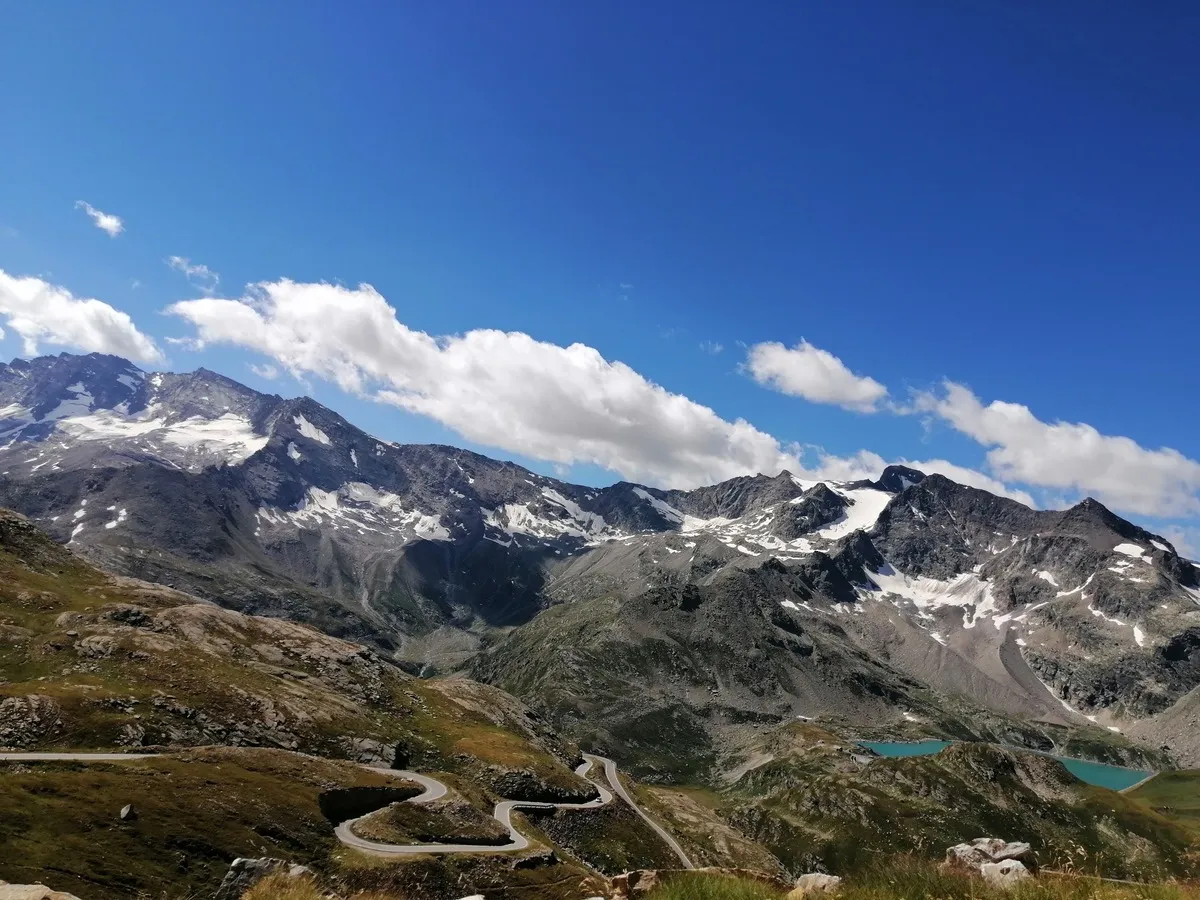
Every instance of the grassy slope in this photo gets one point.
(694, 817)
(188, 673)
(814, 805)
(125, 663)
(196, 811)
(1175, 795)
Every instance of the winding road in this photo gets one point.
(433, 790)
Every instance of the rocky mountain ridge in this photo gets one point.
(763, 597)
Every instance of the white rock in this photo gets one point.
(1005, 873)
(816, 883)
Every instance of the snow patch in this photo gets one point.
(1139, 636)
(311, 431)
(968, 591)
(1130, 550)
(121, 516)
(295, 454)
(862, 511)
(666, 510)
(589, 522)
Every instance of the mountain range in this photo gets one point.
(670, 623)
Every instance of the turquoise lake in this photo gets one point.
(1114, 778)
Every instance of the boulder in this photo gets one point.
(128, 813)
(1004, 874)
(814, 883)
(244, 873)
(990, 850)
(31, 892)
(638, 882)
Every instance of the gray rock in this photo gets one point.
(989, 851)
(244, 873)
(128, 813)
(25, 720)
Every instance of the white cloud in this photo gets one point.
(106, 222)
(503, 389)
(39, 311)
(266, 370)
(814, 374)
(711, 347)
(1065, 455)
(197, 274)
(1186, 540)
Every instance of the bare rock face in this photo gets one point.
(26, 720)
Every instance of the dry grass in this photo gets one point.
(906, 879)
(283, 887)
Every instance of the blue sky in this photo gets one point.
(1002, 196)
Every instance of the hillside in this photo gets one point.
(96, 661)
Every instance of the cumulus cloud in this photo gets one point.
(560, 404)
(814, 374)
(106, 222)
(197, 274)
(39, 311)
(1072, 456)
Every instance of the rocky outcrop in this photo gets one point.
(990, 850)
(999, 862)
(244, 873)
(526, 785)
(28, 720)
